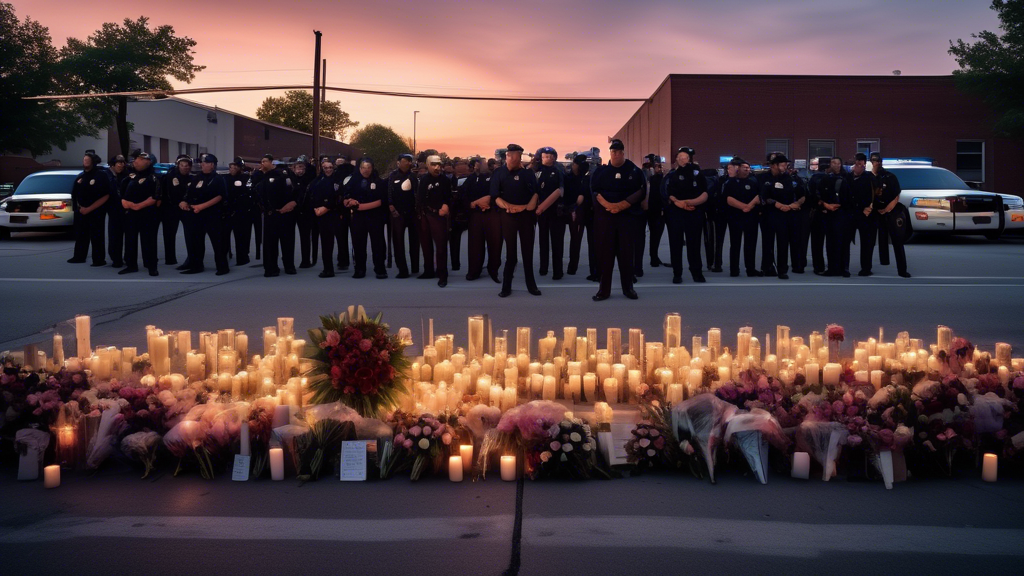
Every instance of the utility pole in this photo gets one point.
(323, 84)
(414, 113)
(316, 101)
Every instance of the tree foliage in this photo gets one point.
(381, 143)
(28, 67)
(993, 67)
(295, 110)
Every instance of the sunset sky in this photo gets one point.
(554, 48)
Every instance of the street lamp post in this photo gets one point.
(414, 113)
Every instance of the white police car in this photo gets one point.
(938, 201)
(41, 202)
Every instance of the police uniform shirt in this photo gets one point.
(238, 194)
(142, 186)
(90, 186)
(616, 184)
(835, 189)
(301, 186)
(365, 190)
(402, 191)
(274, 189)
(655, 202)
(743, 190)
(812, 188)
(324, 192)
(862, 190)
(683, 183)
(549, 179)
(434, 192)
(577, 186)
(514, 187)
(344, 171)
(206, 187)
(887, 188)
(781, 189)
(175, 186)
(476, 187)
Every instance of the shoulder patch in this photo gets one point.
(174, 181)
(238, 182)
(199, 184)
(92, 182)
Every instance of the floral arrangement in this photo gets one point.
(569, 452)
(835, 335)
(357, 362)
(421, 443)
(648, 448)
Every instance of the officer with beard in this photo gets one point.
(891, 215)
(616, 188)
(684, 192)
(862, 188)
(89, 194)
(433, 198)
(484, 226)
(655, 217)
(743, 205)
(242, 211)
(173, 188)
(364, 198)
(141, 216)
(204, 201)
(273, 187)
(514, 191)
(781, 197)
(402, 208)
(115, 213)
(550, 225)
(579, 206)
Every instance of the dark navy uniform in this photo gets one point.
(891, 224)
(716, 220)
(550, 224)
(862, 188)
(304, 217)
(140, 226)
(115, 216)
(343, 175)
(580, 217)
(368, 224)
(324, 192)
(776, 191)
(90, 186)
(484, 228)
(402, 199)
(174, 186)
(742, 225)
(433, 193)
(241, 213)
(209, 222)
(816, 222)
(458, 221)
(684, 183)
(835, 189)
(655, 221)
(274, 190)
(516, 187)
(614, 233)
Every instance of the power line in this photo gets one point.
(173, 92)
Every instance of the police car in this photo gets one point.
(41, 202)
(938, 201)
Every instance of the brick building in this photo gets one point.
(811, 116)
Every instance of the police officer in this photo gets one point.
(175, 184)
(579, 206)
(364, 198)
(115, 221)
(684, 193)
(458, 217)
(798, 240)
(862, 188)
(715, 220)
(325, 200)
(204, 203)
(402, 209)
(273, 187)
(302, 176)
(433, 200)
(141, 215)
(742, 205)
(781, 197)
(816, 214)
(617, 188)
(484, 226)
(891, 223)
(838, 205)
(343, 172)
(240, 210)
(514, 191)
(767, 231)
(89, 194)
(655, 212)
(550, 224)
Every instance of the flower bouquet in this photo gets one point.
(835, 335)
(141, 447)
(568, 454)
(649, 447)
(320, 443)
(699, 424)
(422, 443)
(357, 362)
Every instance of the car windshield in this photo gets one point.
(46, 184)
(928, 179)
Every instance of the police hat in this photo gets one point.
(860, 157)
(96, 160)
(779, 159)
(689, 151)
(549, 150)
(342, 157)
(302, 159)
(208, 159)
(580, 159)
(116, 159)
(737, 161)
(268, 157)
(514, 148)
(876, 157)
(238, 162)
(147, 156)
(184, 157)
(406, 156)
(616, 145)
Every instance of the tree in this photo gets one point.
(295, 110)
(127, 58)
(28, 64)
(380, 143)
(993, 68)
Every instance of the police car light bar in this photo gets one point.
(910, 160)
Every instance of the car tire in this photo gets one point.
(5, 233)
(993, 235)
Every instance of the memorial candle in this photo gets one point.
(590, 386)
(611, 390)
(812, 373)
(830, 374)
(675, 393)
(615, 345)
(990, 467)
(51, 476)
(466, 451)
(476, 337)
(673, 330)
(286, 327)
(242, 346)
(83, 331)
(715, 342)
(276, 464)
(455, 468)
(58, 351)
(508, 468)
(801, 465)
(569, 342)
(549, 388)
(269, 339)
(243, 437)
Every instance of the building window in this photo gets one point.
(147, 144)
(868, 145)
(777, 145)
(821, 148)
(266, 133)
(970, 160)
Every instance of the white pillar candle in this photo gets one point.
(58, 351)
(495, 396)
(812, 373)
(634, 379)
(876, 378)
(569, 342)
(243, 437)
(546, 347)
(575, 387)
(771, 365)
(861, 376)
(1003, 353)
(590, 386)
(269, 340)
(944, 338)
(830, 374)
(675, 393)
(611, 390)
(782, 342)
(466, 451)
(276, 464)
(615, 344)
(549, 388)
(723, 374)
(51, 476)
(1004, 375)
(989, 467)
(282, 415)
(673, 330)
(603, 413)
(695, 380)
(523, 341)
(286, 326)
(715, 342)
(508, 468)
(83, 331)
(455, 469)
(509, 399)
(801, 465)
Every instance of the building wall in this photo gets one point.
(253, 139)
(735, 115)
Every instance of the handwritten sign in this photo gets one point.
(240, 471)
(353, 461)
